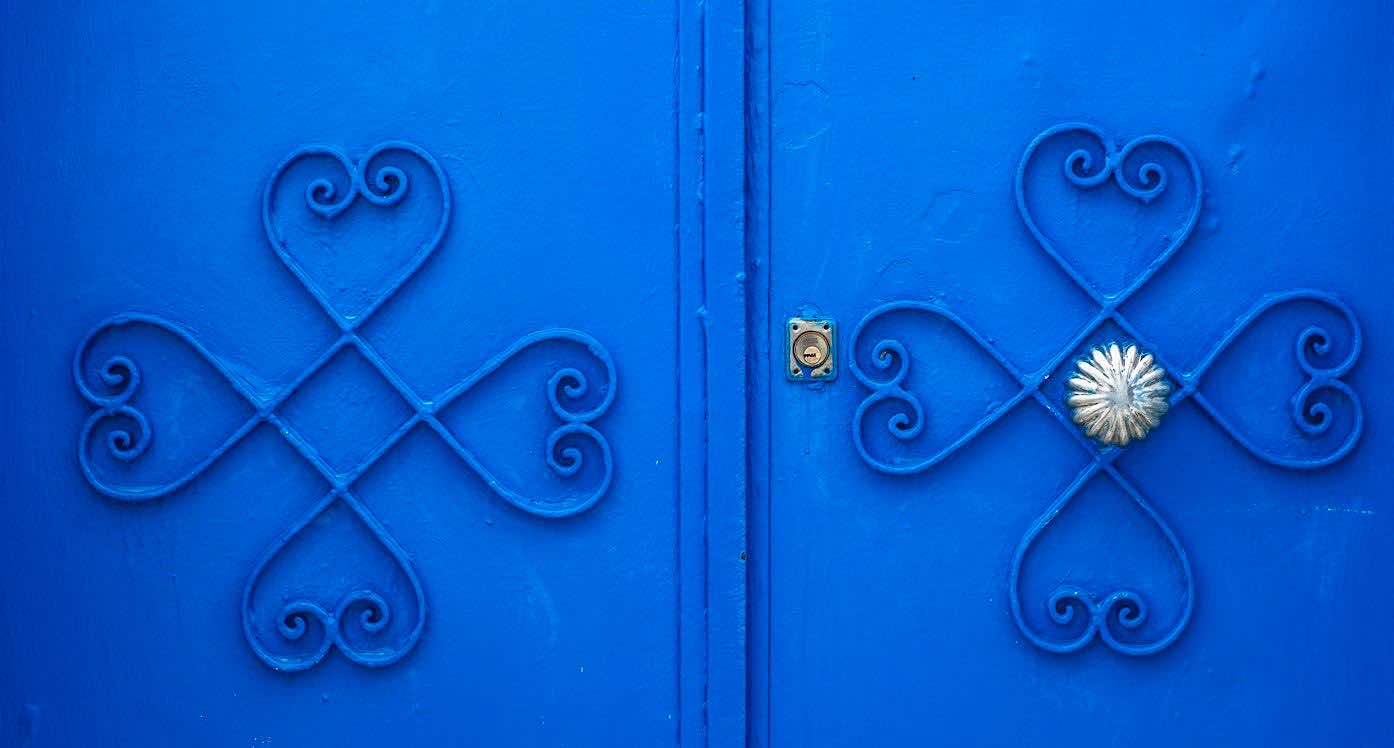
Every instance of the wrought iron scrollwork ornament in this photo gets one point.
(293, 629)
(1076, 615)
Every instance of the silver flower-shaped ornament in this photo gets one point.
(1118, 394)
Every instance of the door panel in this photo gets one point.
(980, 198)
(349, 350)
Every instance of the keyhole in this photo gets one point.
(810, 349)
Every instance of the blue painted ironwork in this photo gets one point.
(886, 373)
(111, 386)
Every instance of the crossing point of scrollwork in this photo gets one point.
(357, 621)
(1109, 615)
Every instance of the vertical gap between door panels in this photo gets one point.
(725, 324)
(712, 360)
(761, 355)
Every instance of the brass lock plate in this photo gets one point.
(811, 343)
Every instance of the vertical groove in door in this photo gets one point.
(757, 247)
(724, 321)
(712, 360)
(691, 577)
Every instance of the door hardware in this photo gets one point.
(811, 347)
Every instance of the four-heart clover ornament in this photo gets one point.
(1117, 384)
(353, 233)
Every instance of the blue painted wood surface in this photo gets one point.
(399, 444)
(943, 558)
(414, 375)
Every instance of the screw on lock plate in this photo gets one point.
(812, 351)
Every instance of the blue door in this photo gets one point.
(961, 539)
(351, 400)
(770, 373)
